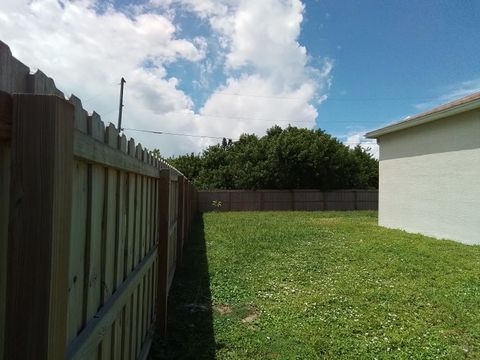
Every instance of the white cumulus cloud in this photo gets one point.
(88, 45)
(369, 145)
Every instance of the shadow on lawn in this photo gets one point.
(190, 323)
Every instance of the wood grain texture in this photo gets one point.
(134, 325)
(130, 223)
(144, 216)
(38, 252)
(93, 248)
(78, 238)
(80, 114)
(95, 331)
(126, 330)
(5, 153)
(96, 152)
(117, 326)
(163, 224)
(138, 336)
(13, 74)
(91, 201)
(4, 216)
(39, 83)
(5, 117)
(137, 224)
(121, 234)
(180, 220)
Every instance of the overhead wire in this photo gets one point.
(176, 134)
(157, 132)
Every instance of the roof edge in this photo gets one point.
(423, 119)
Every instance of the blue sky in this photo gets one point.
(226, 67)
(392, 56)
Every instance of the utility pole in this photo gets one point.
(120, 107)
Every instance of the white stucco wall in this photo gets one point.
(430, 179)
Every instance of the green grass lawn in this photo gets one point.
(321, 285)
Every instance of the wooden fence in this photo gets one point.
(273, 200)
(92, 228)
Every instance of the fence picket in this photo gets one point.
(104, 213)
(38, 255)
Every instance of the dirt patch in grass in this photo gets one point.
(252, 314)
(223, 309)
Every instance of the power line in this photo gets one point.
(176, 134)
(218, 137)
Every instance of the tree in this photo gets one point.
(290, 158)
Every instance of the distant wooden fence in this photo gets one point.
(92, 228)
(273, 200)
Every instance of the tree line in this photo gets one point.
(290, 158)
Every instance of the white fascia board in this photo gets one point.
(415, 121)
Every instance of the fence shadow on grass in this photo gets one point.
(190, 322)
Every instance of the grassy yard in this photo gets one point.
(321, 285)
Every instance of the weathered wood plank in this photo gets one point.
(95, 205)
(38, 252)
(162, 271)
(144, 217)
(149, 213)
(134, 324)
(130, 223)
(147, 345)
(149, 299)
(127, 324)
(117, 348)
(137, 224)
(13, 74)
(39, 83)
(106, 343)
(121, 235)
(5, 117)
(155, 287)
(80, 114)
(4, 216)
(144, 308)
(154, 294)
(172, 232)
(96, 152)
(96, 329)
(5, 153)
(180, 220)
(110, 221)
(77, 249)
(146, 312)
(138, 336)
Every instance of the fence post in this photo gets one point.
(40, 206)
(180, 220)
(5, 127)
(355, 200)
(163, 225)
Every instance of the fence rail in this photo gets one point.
(274, 200)
(92, 228)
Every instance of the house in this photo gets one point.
(430, 172)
